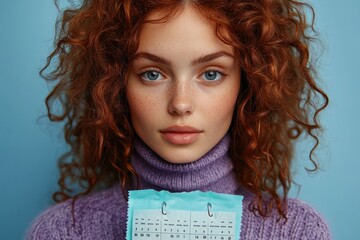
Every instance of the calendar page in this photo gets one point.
(186, 225)
(187, 216)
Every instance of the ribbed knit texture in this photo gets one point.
(103, 215)
(212, 172)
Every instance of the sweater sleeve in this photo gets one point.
(101, 215)
(40, 230)
(54, 223)
(302, 223)
(306, 223)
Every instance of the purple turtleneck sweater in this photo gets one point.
(102, 215)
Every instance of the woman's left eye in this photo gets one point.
(212, 75)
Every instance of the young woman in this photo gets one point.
(182, 96)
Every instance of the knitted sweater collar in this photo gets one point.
(212, 172)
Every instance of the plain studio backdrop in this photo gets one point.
(30, 145)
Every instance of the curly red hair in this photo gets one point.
(279, 98)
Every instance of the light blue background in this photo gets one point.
(29, 145)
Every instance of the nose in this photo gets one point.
(181, 99)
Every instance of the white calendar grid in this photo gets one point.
(184, 225)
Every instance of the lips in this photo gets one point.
(180, 135)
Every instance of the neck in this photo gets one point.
(212, 172)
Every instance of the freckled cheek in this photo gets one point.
(142, 107)
(223, 105)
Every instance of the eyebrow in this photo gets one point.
(202, 59)
(212, 56)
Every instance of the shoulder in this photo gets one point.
(303, 222)
(304, 217)
(91, 215)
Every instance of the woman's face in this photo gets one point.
(182, 87)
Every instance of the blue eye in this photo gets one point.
(151, 75)
(212, 75)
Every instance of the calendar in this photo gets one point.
(162, 215)
(185, 225)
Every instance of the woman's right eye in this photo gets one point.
(151, 75)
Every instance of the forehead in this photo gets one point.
(186, 27)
